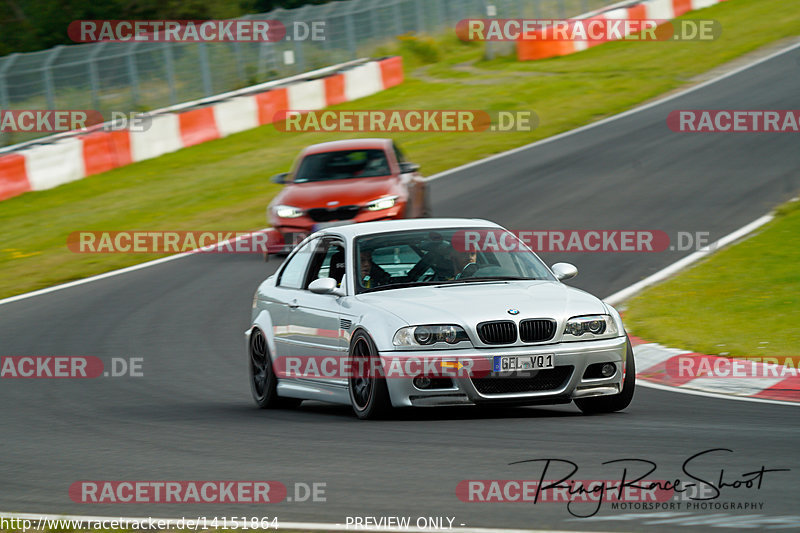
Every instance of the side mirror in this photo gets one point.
(408, 168)
(564, 271)
(324, 286)
(279, 178)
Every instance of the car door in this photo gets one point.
(283, 300)
(315, 321)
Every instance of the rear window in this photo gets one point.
(343, 164)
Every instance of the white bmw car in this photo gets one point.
(415, 313)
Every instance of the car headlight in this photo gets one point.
(382, 203)
(585, 328)
(287, 211)
(429, 335)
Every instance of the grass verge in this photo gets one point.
(743, 301)
(224, 185)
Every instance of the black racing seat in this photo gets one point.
(337, 266)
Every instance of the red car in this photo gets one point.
(358, 180)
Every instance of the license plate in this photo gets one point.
(511, 363)
(333, 224)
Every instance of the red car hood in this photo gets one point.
(354, 191)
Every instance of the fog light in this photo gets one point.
(608, 370)
(422, 382)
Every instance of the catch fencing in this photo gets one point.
(142, 76)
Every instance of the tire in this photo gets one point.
(616, 402)
(369, 396)
(263, 382)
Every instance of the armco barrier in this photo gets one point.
(531, 47)
(50, 162)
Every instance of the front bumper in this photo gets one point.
(304, 225)
(560, 386)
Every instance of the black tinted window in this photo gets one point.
(342, 165)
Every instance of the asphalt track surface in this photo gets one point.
(191, 417)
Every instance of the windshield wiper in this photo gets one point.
(400, 285)
(493, 278)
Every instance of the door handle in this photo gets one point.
(293, 304)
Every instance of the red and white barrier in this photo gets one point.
(13, 177)
(533, 47)
(51, 165)
(64, 159)
(363, 80)
(235, 115)
(659, 9)
(308, 96)
(161, 137)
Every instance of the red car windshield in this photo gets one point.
(343, 164)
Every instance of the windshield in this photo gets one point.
(425, 257)
(343, 164)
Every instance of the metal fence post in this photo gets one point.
(299, 57)
(237, 52)
(350, 31)
(48, 77)
(133, 74)
(444, 11)
(420, 16)
(93, 78)
(169, 66)
(205, 71)
(4, 103)
(398, 18)
(5, 139)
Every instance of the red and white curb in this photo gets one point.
(656, 363)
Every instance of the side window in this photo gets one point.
(328, 261)
(398, 154)
(294, 273)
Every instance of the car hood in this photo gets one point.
(471, 303)
(354, 191)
